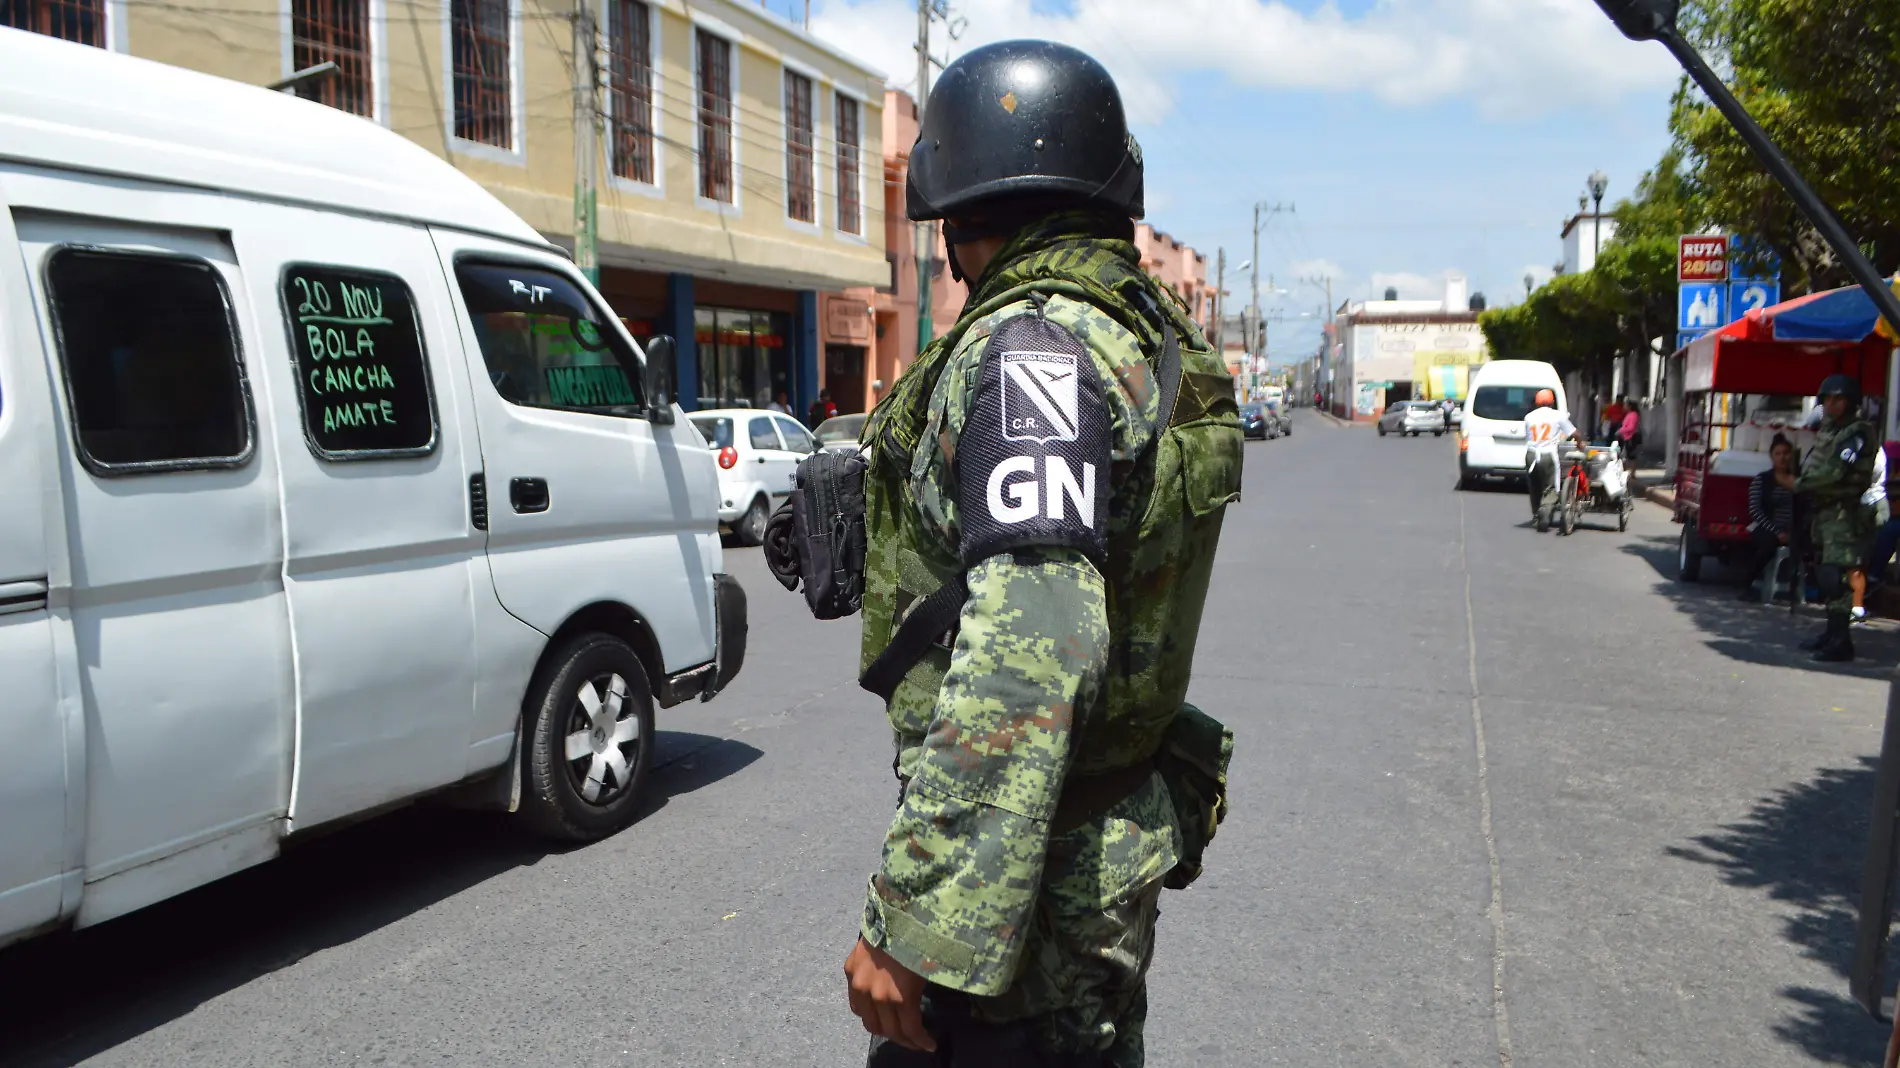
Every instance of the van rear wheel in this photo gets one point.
(591, 740)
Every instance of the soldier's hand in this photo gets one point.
(887, 996)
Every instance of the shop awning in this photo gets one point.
(1835, 315)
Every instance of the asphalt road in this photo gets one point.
(1499, 798)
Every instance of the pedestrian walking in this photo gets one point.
(1874, 514)
(1837, 471)
(821, 409)
(1887, 538)
(1630, 433)
(1046, 483)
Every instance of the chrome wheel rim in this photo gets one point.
(602, 743)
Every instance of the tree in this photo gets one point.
(1823, 78)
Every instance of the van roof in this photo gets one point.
(1536, 370)
(72, 105)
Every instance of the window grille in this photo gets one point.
(801, 199)
(715, 116)
(336, 31)
(850, 213)
(83, 21)
(630, 88)
(483, 72)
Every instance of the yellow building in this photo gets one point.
(741, 163)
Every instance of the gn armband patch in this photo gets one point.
(1032, 462)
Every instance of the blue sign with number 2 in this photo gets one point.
(1750, 294)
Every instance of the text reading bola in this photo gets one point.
(343, 365)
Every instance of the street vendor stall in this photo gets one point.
(1747, 382)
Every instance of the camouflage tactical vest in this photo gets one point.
(1164, 513)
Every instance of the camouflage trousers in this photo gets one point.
(1079, 1001)
(1841, 531)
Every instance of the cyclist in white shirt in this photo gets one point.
(1545, 431)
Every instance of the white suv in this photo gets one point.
(758, 453)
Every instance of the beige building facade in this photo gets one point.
(740, 166)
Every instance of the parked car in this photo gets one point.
(1279, 422)
(1412, 417)
(1491, 437)
(1255, 423)
(840, 433)
(758, 453)
(328, 483)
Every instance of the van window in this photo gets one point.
(363, 383)
(150, 360)
(1508, 403)
(545, 344)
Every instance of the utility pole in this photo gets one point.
(1257, 330)
(586, 142)
(925, 233)
(1220, 299)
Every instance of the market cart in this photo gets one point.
(1742, 385)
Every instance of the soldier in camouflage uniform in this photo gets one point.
(1837, 471)
(1044, 498)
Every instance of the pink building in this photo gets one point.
(1180, 268)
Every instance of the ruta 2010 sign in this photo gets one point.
(1702, 258)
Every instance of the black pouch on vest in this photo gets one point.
(1193, 762)
(816, 539)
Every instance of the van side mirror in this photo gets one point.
(659, 380)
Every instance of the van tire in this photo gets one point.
(750, 529)
(554, 802)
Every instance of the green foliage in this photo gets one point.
(1823, 78)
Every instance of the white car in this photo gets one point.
(758, 453)
(840, 432)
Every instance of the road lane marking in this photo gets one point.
(1500, 1012)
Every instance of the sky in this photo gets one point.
(1409, 138)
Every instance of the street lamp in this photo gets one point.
(1598, 183)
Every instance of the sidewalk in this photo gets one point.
(1653, 484)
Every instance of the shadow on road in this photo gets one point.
(1754, 633)
(70, 996)
(1805, 846)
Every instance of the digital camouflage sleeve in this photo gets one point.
(1028, 422)
(1841, 465)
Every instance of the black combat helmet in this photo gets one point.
(1844, 385)
(1030, 119)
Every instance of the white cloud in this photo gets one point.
(1411, 285)
(1511, 58)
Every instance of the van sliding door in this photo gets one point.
(177, 602)
(34, 825)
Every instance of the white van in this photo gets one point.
(325, 482)
(1491, 437)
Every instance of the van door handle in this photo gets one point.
(528, 494)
